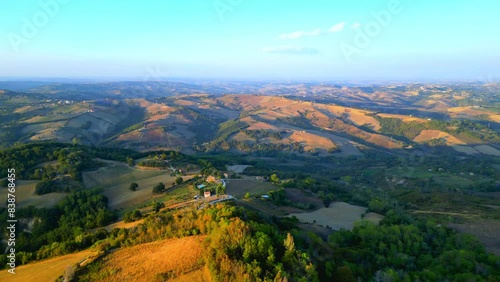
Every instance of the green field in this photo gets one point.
(115, 179)
(25, 195)
(338, 216)
(239, 187)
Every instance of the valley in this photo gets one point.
(275, 181)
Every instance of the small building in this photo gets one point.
(265, 197)
(201, 186)
(207, 194)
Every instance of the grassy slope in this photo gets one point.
(116, 177)
(25, 195)
(46, 270)
(146, 262)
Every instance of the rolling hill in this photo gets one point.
(324, 119)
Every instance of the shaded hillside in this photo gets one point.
(343, 122)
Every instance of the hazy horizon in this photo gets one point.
(250, 40)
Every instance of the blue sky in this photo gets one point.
(250, 39)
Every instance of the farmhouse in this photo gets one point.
(207, 194)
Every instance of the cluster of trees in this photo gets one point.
(159, 188)
(225, 130)
(154, 163)
(408, 250)
(395, 126)
(157, 206)
(62, 229)
(164, 155)
(71, 159)
(86, 208)
(69, 162)
(263, 133)
(132, 216)
(279, 198)
(159, 159)
(11, 133)
(299, 121)
(24, 157)
(179, 180)
(248, 146)
(73, 162)
(467, 129)
(266, 147)
(48, 186)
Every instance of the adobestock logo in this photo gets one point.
(223, 6)
(489, 82)
(153, 77)
(366, 33)
(31, 26)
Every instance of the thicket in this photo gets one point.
(59, 230)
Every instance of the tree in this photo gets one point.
(157, 206)
(4, 182)
(344, 273)
(220, 189)
(130, 161)
(158, 188)
(327, 200)
(274, 179)
(179, 180)
(377, 205)
(133, 186)
(289, 243)
(132, 216)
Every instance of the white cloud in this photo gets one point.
(355, 25)
(315, 32)
(294, 50)
(299, 34)
(338, 27)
